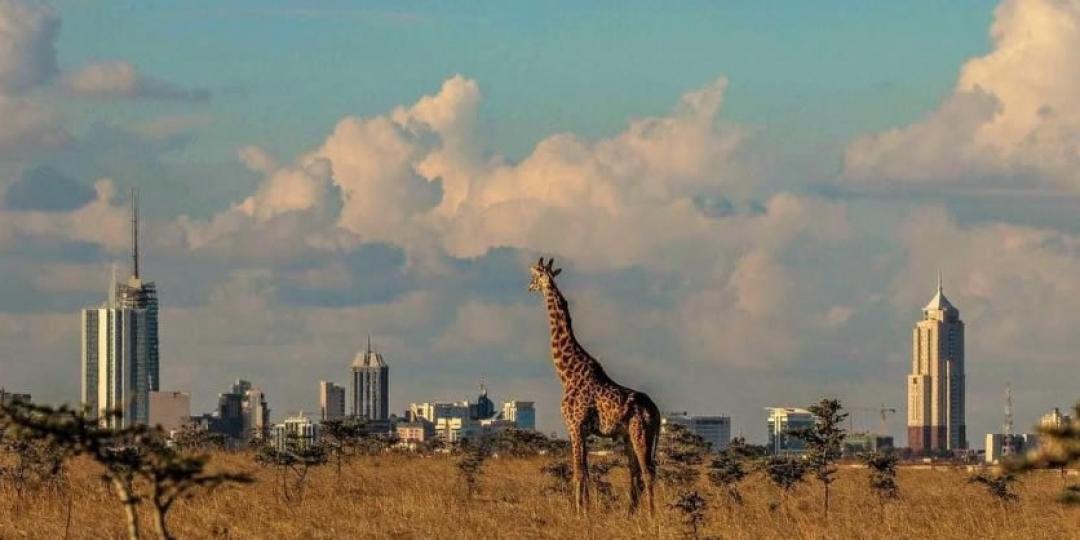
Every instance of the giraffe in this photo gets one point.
(593, 404)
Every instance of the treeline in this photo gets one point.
(148, 471)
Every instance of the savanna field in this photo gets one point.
(405, 496)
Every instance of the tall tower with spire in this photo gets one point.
(120, 362)
(139, 294)
(369, 385)
(936, 387)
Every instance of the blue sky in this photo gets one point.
(751, 200)
(809, 76)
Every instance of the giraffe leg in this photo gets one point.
(643, 435)
(635, 473)
(581, 469)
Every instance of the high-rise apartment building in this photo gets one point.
(521, 413)
(936, 387)
(369, 386)
(242, 412)
(331, 401)
(120, 362)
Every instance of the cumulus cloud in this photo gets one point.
(101, 221)
(28, 32)
(1011, 120)
(119, 79)
(46, 189)
(402, 224)
(29, 128)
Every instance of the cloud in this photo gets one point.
(1012, 119)
(687, 275)
(46, 189)
(119, 79)
(100, 221)
(29, 128)
(28, 32)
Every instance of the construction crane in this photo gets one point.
(883, 413)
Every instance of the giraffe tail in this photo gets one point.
(652, 413)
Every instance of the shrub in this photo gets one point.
(692, 506)
(824, 442)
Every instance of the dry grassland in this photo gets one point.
(413, 497)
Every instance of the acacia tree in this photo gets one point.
(692, 506)
(194, 438)
(560, 473)
(31, 464)
(882, 469)
(1059, 448)
(342, 439)
(784, 472)
(824, 442)
(128, 455)
(728, 469)
(681, 453)
(293, 463)
(519, 443)
(998, 486)
(471, 465)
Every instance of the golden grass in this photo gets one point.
(412, 497)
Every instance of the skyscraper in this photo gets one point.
(114, 377)
(119, 366)
(483, 408)
(139, 294)
(369, 386)
(242, 412)
(331, 401)
(935, 387)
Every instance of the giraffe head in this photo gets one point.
(542, 274)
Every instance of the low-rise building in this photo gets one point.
(433, 411)
(1001, 445)
(170, 410)
(521, 413)
(780, 423)
(715, 430)
(7, 398)
(297, 431)
(864, 443)
(415, 432)
(1054, 419)
(454, 429)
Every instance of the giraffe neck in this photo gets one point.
(564, 346)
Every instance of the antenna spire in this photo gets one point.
(1008, 409)
(939, 288)
(134, 233)
(369, 343)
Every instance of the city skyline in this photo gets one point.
(753, 222)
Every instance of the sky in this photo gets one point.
(751, 202)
